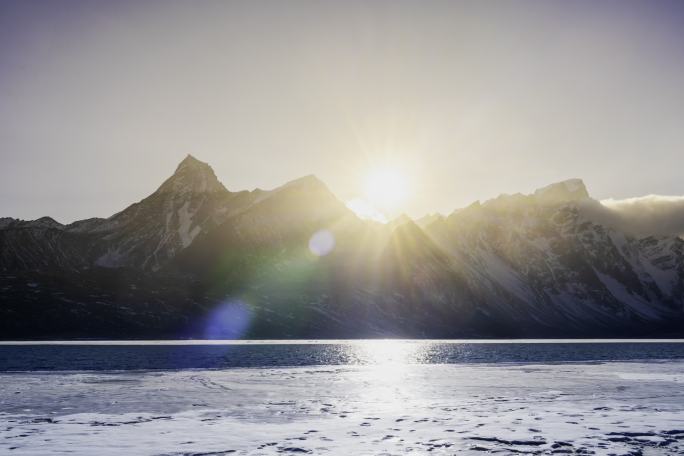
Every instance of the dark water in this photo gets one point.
(144, 357)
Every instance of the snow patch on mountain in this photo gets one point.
(544, 259)
(623, 295)
(185, 232)
(504, 275)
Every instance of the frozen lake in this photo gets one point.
(361, 398)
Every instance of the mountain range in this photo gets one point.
(195, 260)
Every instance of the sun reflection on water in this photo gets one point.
(388, 357)
(387, 352)
(387, 364)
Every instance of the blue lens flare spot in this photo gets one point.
(230, 320)
(322, 243)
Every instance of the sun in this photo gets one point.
(386, 187)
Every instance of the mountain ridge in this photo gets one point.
(542, 264)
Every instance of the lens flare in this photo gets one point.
(322, 243)
(230, 320)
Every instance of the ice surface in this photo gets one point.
(393, 408)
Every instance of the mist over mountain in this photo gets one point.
(196, 260)
(650, 214)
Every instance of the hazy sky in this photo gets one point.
(99, 101)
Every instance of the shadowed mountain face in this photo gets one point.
(196, 260)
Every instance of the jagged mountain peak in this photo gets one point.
(564, 191)
(515, 266)
(554, 195)
(152, 231)
(193, 176)
(190, 161)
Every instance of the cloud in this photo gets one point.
(644, 215)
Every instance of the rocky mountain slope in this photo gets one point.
(538, 260)
(196, 260)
